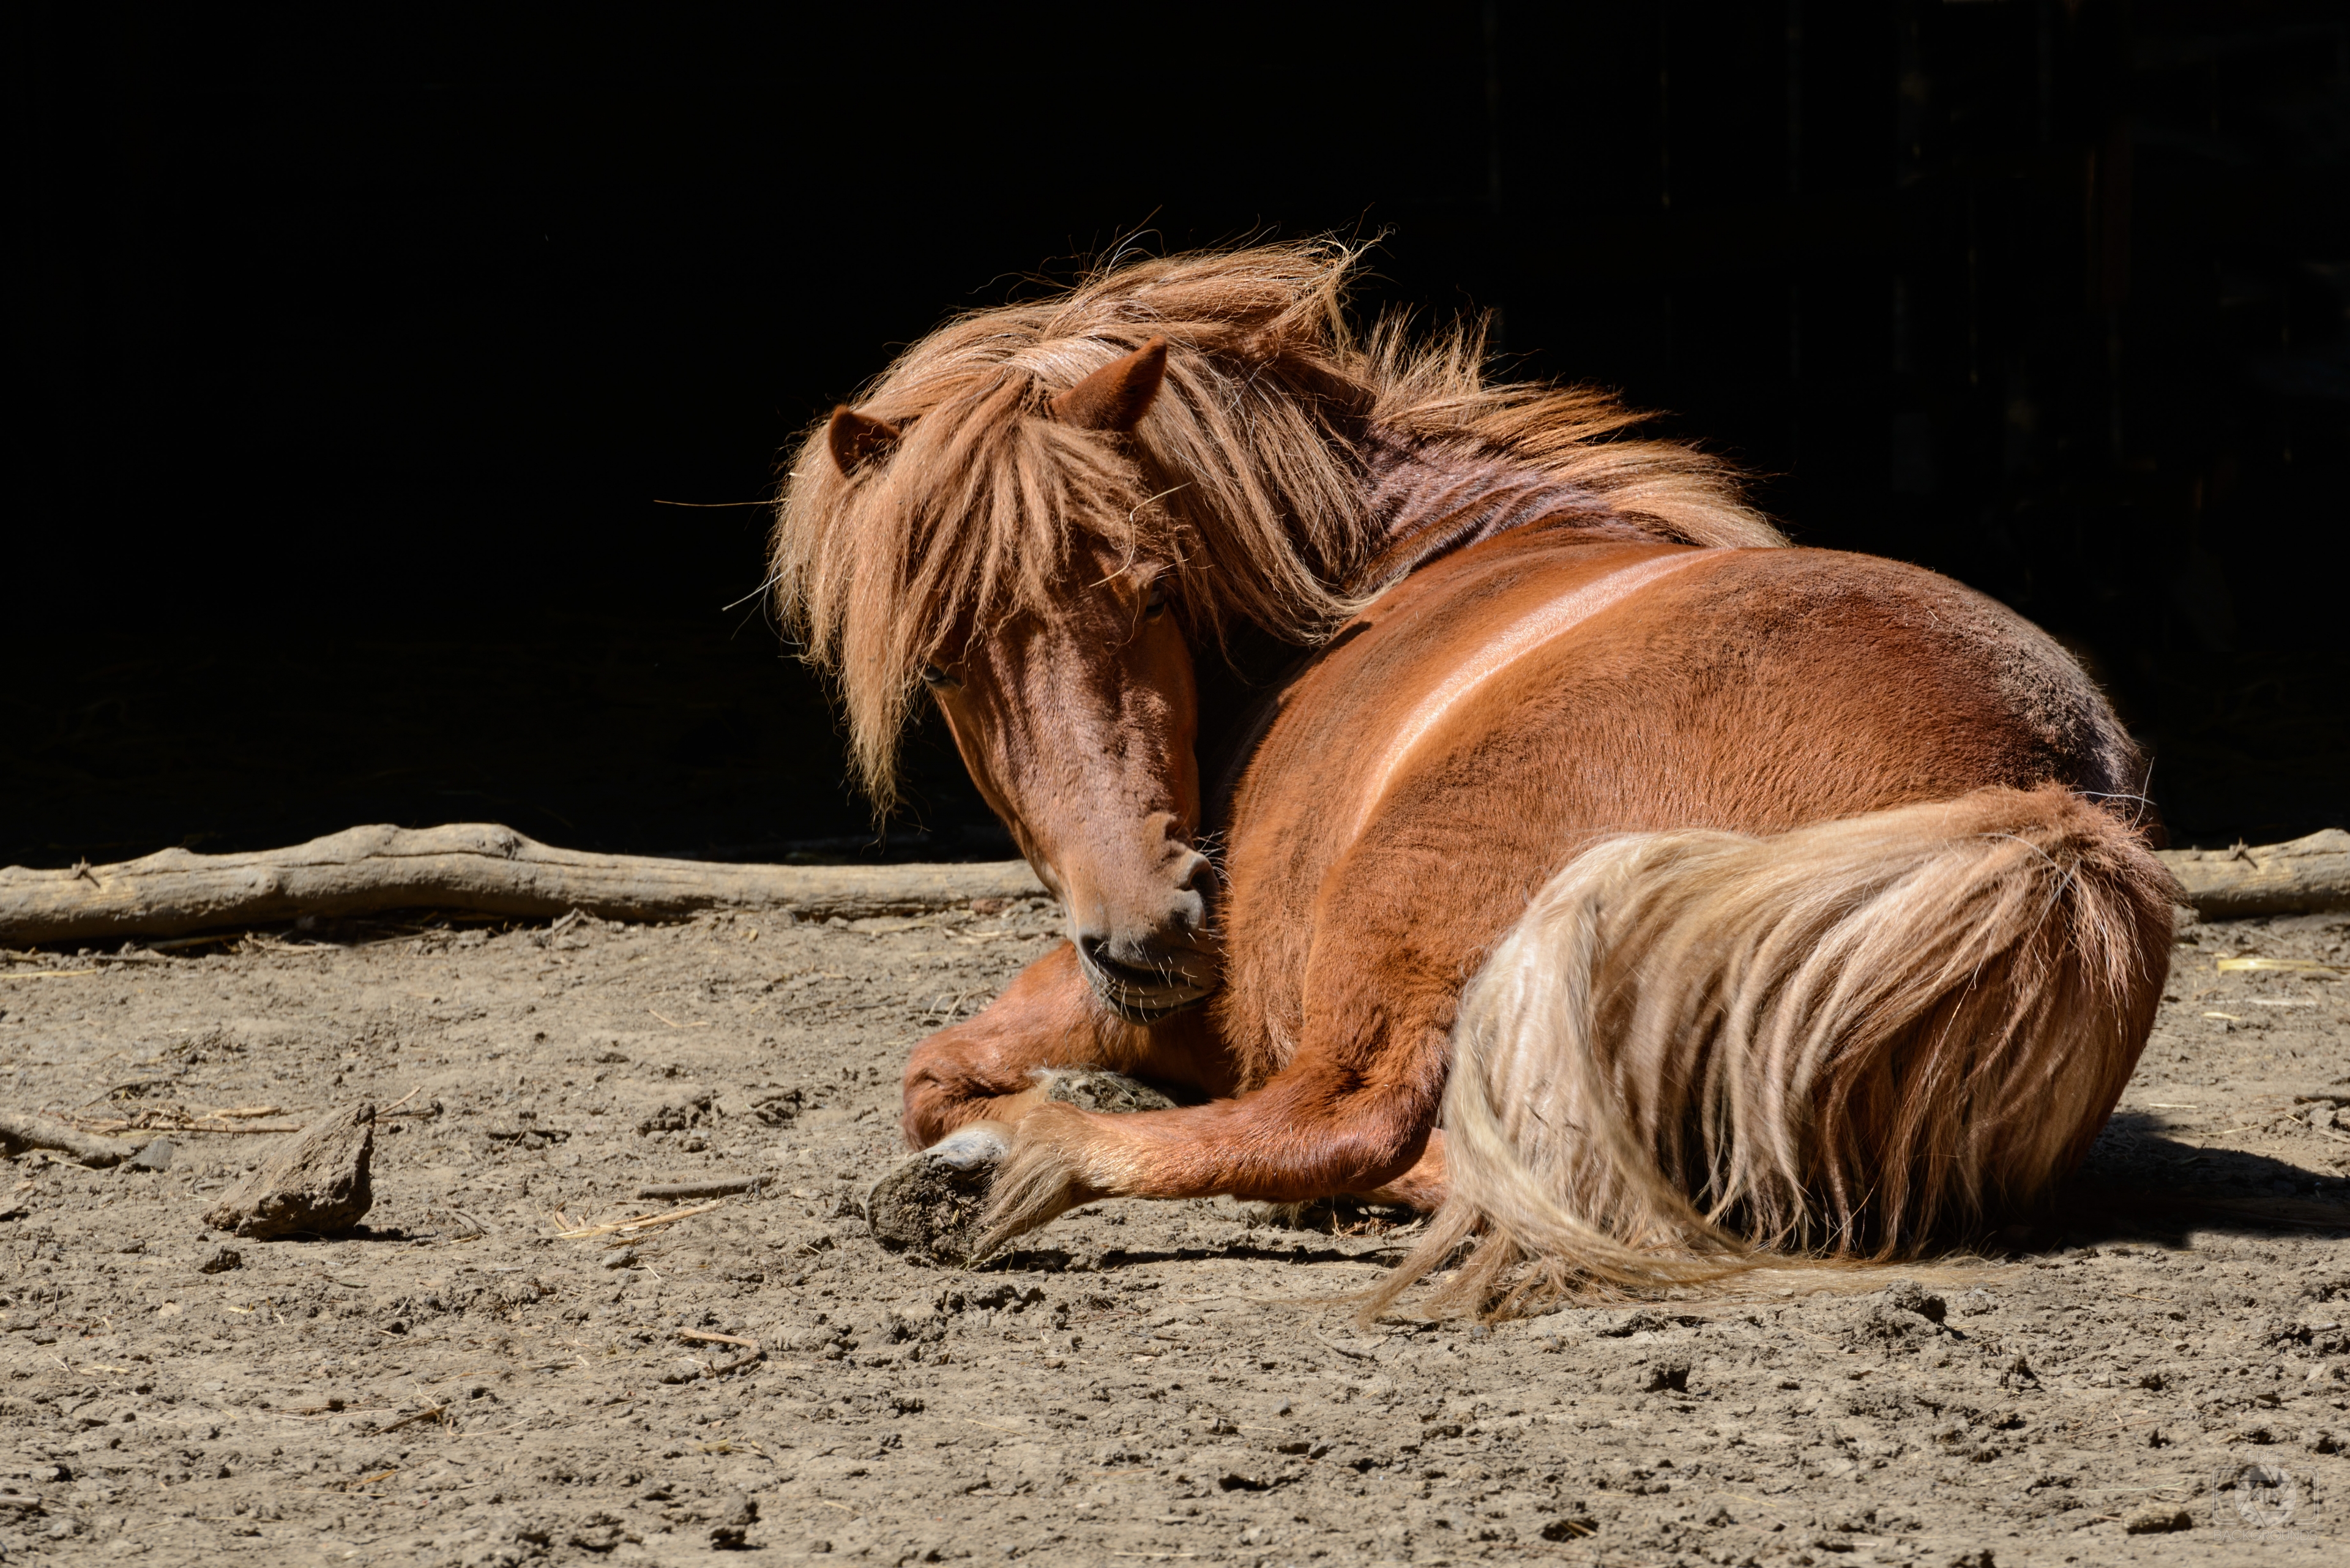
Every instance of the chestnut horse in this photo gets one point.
(1465, 804)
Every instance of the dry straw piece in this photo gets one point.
(641, 1222)
(2288, 966)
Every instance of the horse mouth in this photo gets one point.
(1141, 996)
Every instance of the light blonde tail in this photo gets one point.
(1697, 1047)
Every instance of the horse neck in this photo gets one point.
(1422, 501)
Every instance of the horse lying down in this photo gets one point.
(1467, 804)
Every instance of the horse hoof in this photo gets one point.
(931, 1203)
(1113, 1094)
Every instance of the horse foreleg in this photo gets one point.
(1306, 1134)
(997, 1066)
(967, 1087)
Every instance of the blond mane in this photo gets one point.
(1246, 477)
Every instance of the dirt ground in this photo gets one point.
(2157, 1374)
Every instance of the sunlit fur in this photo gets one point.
(1634, 893)
(1696, 1046)
(1249, 475)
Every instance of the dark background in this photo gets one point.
(354, 352)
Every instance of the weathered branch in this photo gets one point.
(495, 871)
(2303, 876)
(21, 1132)
(463, 866)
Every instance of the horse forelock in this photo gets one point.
(1245, 480)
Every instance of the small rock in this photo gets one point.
(219, 1261)
(599, 1532)
(736, 1513)
(1909, 1296)
(2159, 1519)
(625, 1258)
(1667, 1375)
(317, 1181)
(684, 1369)
(677, 1115)
(156, 1156)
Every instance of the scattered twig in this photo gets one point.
(437, 1411)
(701, 1336)
(740, 1362)
(641, 1222)
(709, 1187)
(1351, 1355)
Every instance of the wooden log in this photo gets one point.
(495, 871)
(2307, 876)
(19, 1132)
(463, 866)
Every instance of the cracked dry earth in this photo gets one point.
(2154, 1374)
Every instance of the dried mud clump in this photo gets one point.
(318, 1183)
(1113, 1094)
(2159, 1519)
(930, 1206)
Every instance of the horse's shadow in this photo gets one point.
(2139, 1182)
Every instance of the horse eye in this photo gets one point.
(934, 676)
(1155, 601)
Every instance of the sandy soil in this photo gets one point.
(2155, 1375)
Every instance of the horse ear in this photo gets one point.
(857, 439)
(1116, 396)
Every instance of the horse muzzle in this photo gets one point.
(1143, 982)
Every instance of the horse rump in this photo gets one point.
(1698, 1049)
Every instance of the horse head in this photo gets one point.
(1078, 723)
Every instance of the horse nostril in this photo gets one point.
(1089, 947)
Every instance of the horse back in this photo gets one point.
(1417, 776)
